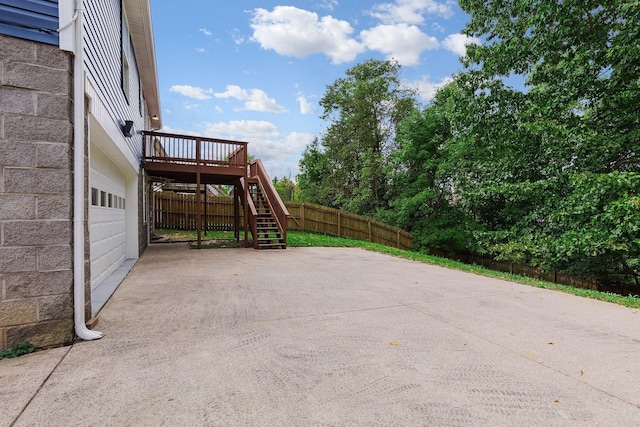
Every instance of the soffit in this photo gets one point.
(141, 30)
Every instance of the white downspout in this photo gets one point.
(78, 184)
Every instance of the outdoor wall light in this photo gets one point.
(127, 127)
(155, 117)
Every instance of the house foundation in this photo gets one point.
(36, 145)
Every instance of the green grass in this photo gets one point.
(303, 239)
(212, 240)
(189, 235)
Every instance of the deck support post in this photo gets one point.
(206, 219)
(245, 206)
(236, 211)
(198, 219)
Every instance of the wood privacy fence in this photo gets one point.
(178, 211)
(324, 220)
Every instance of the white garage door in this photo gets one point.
(107, 224)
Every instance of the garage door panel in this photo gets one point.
(107, 221)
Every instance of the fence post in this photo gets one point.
(339, 216)
(302, 217)
(369, 223)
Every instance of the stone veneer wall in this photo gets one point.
(36, 211)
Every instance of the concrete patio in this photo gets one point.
(331, 336)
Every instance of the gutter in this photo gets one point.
(78, 178)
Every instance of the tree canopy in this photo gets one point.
(549, 165)
(545, 171)
(346, 167)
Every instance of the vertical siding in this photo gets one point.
(102, 49)
(35, 20)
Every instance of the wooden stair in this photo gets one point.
(268, 234)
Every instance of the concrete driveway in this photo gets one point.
(331, 336)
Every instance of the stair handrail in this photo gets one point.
(279, 210)
(239, 156)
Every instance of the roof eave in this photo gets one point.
(141, 31)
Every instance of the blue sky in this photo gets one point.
(255, 70)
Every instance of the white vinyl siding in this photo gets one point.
(125, 49)
(107, 43)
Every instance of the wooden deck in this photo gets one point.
(184, 158)
(198, 160)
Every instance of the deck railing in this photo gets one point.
(192, 150)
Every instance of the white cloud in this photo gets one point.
(306, 107)
(402, 42)
(200, 49)
(437, 28)
(328, 4)
(410, 11)
(191, 106)
(279, 153)
(243, 130)
(219, 109)
(259, 101)
(427, 88)
(271, 150)
(205, 31)
(233, 91)
(192, 91)
(237, 38)
(255, 99)
(457, 43)
(296, 32)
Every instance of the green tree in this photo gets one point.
(421, 195)
(552, 172)
(346, 168)
(286, 188)
(314, 176)
(581, 61)
(584, 223)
